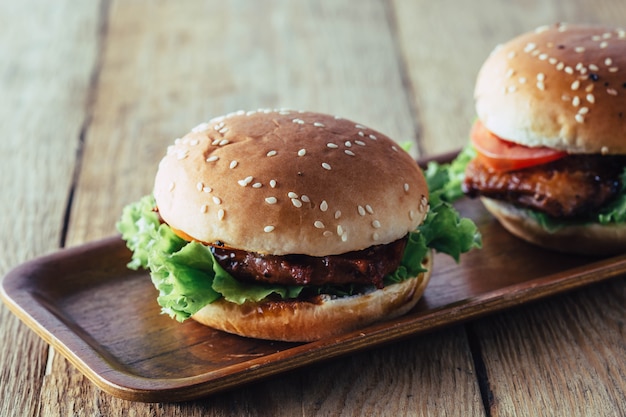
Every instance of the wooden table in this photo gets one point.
(93, 92)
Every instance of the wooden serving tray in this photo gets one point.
(105, 320)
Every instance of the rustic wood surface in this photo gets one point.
(93, 92)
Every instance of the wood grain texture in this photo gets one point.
(42, 109)
(567, 353)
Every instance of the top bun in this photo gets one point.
(288, 182)
(562, 86)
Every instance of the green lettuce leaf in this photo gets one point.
(188, 277)
(444, 180)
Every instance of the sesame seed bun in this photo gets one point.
(584, 239)
(562, 86)
(289, 182)
(305, 321)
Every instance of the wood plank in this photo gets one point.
(48, 55)
(163, 71)
(567, 353)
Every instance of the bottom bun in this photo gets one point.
(302, 321)
(585, 239)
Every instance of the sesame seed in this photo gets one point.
(394, 148)
(511, 54)
(323, 205)
(583, 110)
(606, 35)
(611, 91)
(339, 230)
(579, 118)
(257, 185)
(182, 155)
(348, 144)
(223, 142)
(406, 187)
(215, 142)
(302, 152)
(223, 130)
(332, 145)
(204, 208)
(233, 164)
(590, 98)
(575, 85)
(613, 69)
(509, 73)
(543, 57)
(271, 200)
(376, 224)
(522, 80)
(212, 158)
(411, 214)
(207, 189)
(593, 67)
(603, 44)
(318, 224)
(220, 214)
(579, 66)
(268, 229)
(305, 198)
(344, 237)
(194, 142)
(291, 194)
(273, 183)
(359, 142)
(327, 233)
(369, 209)
(541, 85)
(337, 214)
(298, 121)
(604, 150)
(296, 203)
(541, 76)
(318, 124)
(511, 89)
(326, 166)
(349, 152)
(579, 49)
(171, 187)
(560, 66)
(217, 200)
(569, 70)
(359, 126)
(589, 88)
(375, 236)
(596, 38)
(361, 210)
(244, 182)
(372, 137)
(553, 60)
(529, 47)
(271, 153)
(576, 101)
(199, 186)
(608, 62)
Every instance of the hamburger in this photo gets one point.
(291, 226)
(549, 141)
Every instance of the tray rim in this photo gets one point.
(133, 387)
(126, 385)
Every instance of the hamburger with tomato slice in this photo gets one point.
(550, 138)
(289, 225)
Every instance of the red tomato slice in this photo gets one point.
(502, 155)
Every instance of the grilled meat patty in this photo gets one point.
(570, 187)
(365, 267)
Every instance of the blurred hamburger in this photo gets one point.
(287, 225)
(550, 138)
